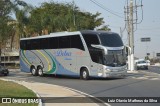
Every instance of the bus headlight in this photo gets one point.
(108, 70)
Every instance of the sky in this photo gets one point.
(150, 26)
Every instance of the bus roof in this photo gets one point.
(56, 34)
(96, 32)
(53, 35)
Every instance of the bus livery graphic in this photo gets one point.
(24, 57)
(50, 70)
(53, 63)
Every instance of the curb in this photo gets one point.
(85, 94)
(71, 89)
(20, 83)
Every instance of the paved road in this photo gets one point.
(142, 84)
(155, 69)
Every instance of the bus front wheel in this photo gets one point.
(33, 71)
(84, 74)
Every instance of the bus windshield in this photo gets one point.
(110, 40)
(115, 58)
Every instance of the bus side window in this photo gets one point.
(64, 42)
(76, 42)
(91, 39)
(23, 44)
(96, 54)
(28, 45)
(44, 43)
(53, 43)
(35, 44)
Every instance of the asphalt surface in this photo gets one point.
(154, 69)
(145, 83)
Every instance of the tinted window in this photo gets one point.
(91, 39)
(110, 40)
(28, 45)
(73, 41)
(76, 42)
(96, 55)
(23, 44)
(53, 43)
(35, 44)
(44, 43)
(64, 42)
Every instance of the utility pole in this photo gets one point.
(131, 36)
(129, 13)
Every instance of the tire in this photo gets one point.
(34, 71)
(84, 74)
(5, 74)
(40, 71)
(137, 68)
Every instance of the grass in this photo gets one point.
(11, 89)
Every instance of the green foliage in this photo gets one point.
(147, 58)
(62, 17)
(50, 17)
(10, 27)
(22, 18)
(4, 18)
(105, 28)
(5, 8)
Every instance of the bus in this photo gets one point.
(82, 54)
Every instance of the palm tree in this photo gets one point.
(21, 14)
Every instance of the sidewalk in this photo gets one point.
(48, 90)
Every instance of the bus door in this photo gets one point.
(96, 60)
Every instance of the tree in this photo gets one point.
(4, 18)
(53, 17)
(21, 11)
(22, 14)
(105, 28)
(49, 17)
(147, 57)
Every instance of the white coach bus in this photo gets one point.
(83, 54)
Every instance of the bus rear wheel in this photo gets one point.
(40, 71)
(84, 74)
(34, 71)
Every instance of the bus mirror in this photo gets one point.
(100, 47)
(127, 50)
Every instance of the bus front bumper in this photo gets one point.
(113, 73)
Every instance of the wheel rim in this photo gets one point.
(40, 72)
(33, 71)
(84, 74)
